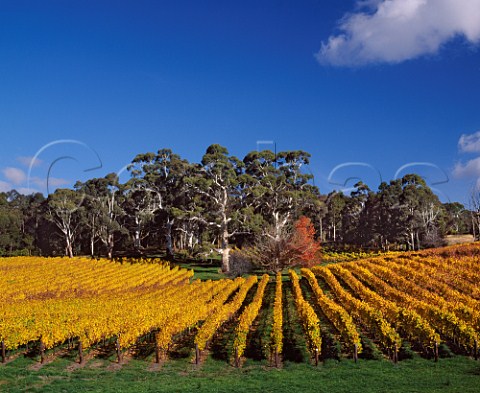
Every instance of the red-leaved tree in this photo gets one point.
(303, 246)
(274, 251)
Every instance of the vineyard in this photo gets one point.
(389, 306)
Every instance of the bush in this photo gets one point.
(240, 264)
(23, 252)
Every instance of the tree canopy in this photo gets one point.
(175, 206)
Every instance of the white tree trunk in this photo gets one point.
(110, 244)
(69, 249)
(226, 259)
(168, 237)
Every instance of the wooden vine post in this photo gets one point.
(197, 354)
(157, 353)
(355, 353)
(80, 352)
(395, 354)
(237, 359)
(475, 350)
(277, 359)
(316, 356)
(119, 352)
(436, 352)
(42, 351)
(4, 355)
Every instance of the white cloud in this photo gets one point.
(393, 31)
(470, 143)
(27, 161)
(470, 169)
(26, 191)
(15, 175)
(52, 182)
(4, 186)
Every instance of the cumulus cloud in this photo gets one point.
(470, 143)
(27, 161)
(18, 180)
(15, 175)
(52, 182)
(393, 31)
(470, 169)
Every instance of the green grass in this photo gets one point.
(458, 374)
(204, 272)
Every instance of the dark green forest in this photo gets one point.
(173, 207)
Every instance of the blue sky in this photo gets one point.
(366, 87)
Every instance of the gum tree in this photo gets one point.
(103, 208)
(217, 180)
(158, 186)
(64, 211)
(279, 191)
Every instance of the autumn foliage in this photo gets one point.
(302, 245)
(277, 250)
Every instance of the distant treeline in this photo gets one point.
(174, 206)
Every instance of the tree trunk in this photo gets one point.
(92, 239)
(69, 249)
(225, 246)
(321, 231)
(110, 242)
(473, 229)
(190, 241)
(92, 246)
(411, 243)
(136, 240)
(226, 259)
(168, 238)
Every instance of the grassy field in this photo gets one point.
(458, 374)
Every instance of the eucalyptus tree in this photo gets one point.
(409, 212)
(388, 220)
(103, 199)
(32, 215)
(140, 206)
(64, 207)
(355, 229)
(278, 188)
(475, 212)
(421, 209)
(335, 203)
(10, 225)
(457, 218)
(189, 211)
(217, 179)
(278, 192)
(432, 216)
(157, 189)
